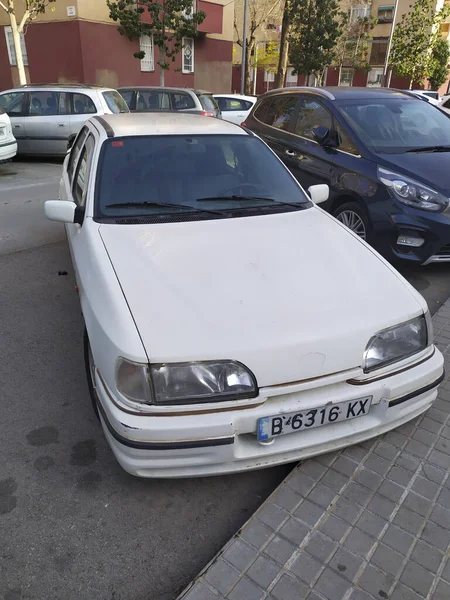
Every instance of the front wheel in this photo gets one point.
(90, 373)
(353, 217)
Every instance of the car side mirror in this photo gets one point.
(324, 137)
(319, 193)
(63, 211)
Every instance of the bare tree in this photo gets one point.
(259, 12)
(21, 13)
(284, 47)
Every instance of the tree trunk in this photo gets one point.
(306, 80)
(18, 49)
(284, 48)
(249, 49)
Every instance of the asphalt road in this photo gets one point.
(73, 525)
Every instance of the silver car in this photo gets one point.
(46, 118)
(168, 99)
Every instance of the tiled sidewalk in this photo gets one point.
(369, 522)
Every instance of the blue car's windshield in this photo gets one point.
(204, 174)
(396, 125)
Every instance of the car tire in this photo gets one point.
(90, 366)
(353, 216)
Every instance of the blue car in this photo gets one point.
(385, 155)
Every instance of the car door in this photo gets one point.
(47, 125)
(273, 121)
(309, 162)
(234, 110)
(82, 108)
(15, 105)
(77, 185)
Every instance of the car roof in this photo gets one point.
(238, 96)
(165, 88)
(343, 92)
(59, 86)
(137, 124)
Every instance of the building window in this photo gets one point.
(189, 12)
(291, 79)
(385, 14)
(346, 76)
(271, 26)
(269, 76)
(359, 12)
(375, 78)
(378, 51)
(11, 50)
(188, 55)
(146, 45)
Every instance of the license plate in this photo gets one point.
(269, 427)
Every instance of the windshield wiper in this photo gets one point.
(185, 207)
(430, 149)
(249, 198)
(234, 197)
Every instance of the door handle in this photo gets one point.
(61, 125)
(17, 126)
(290, 153)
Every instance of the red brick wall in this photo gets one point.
(213, 22)
(54, 52)
(5, 69)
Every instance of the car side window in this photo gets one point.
(127, 95)
(182, 101)
(75, 151)
(262, 110)
(233, 104)
(312, 114)
(81, 179)
(82, 104)
(446, 104)
(152, 100)
(43, 103)
(345, 142)
(13, 103)
(281, 110)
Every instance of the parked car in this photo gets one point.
(384, 154)
(230, 323)
(167, 99)
(432, 96)
(235, 108)
(8, 144)
(45, 118)
(444, 103)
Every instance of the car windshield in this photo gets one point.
(211, 175)
(396, 125)
(115, 102)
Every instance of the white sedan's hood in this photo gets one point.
(293, 296)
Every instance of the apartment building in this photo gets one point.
(77, 42)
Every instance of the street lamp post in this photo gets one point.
(386, 77)
(244, 47)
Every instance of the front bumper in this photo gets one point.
(8, 150)
(395, 220)
(197, 444)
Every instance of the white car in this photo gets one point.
(231, 324)
(235, 108)
(8, 144)
(444, 104)
(431, 96)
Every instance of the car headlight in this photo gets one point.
(397, 343)
(411, 192)
(185, 383)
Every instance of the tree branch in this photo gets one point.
(3, 6)
(24, 19)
